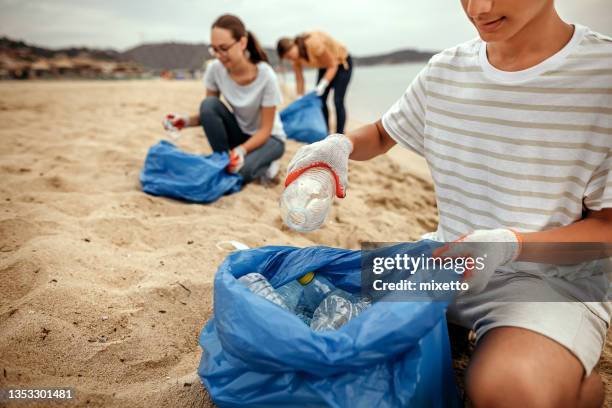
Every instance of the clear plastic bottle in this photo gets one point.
(171, 130)
(301, 312)
(305, 202)
(259, 285)
(291, 294)
(316, 288)
(336, 310)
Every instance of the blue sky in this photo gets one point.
(365, 26)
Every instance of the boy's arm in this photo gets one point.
(595, 227)
(370, 141)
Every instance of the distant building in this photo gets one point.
(22, 63)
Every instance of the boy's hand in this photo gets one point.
(331, 153)
(495, 247)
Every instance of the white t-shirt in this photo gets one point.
(247, 100)
(527, 150)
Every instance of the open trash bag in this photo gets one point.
(303, 119)
(394, 354)
(170, 172)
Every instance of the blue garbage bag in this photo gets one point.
(394, 354)
(303, 119)
(170, 172)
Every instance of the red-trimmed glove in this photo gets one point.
(331, 153)
(237, 155)
(175, 121)
(496, 247)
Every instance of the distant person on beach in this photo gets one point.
(516, 128)
(319, 50)
(252, 131)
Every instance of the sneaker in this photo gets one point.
(272, 170)
(269, 177)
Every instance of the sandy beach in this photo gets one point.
(104, 288)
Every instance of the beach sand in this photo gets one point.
(105, 289)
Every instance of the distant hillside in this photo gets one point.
(395, 57)
(173, 56)
(169, 55)
(191, 56)
(176, 55)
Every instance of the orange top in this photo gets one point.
(317, 43)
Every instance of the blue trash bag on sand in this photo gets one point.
(394, 354)
(170, 172)
(303, 119)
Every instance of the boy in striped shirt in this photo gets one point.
(516, 127)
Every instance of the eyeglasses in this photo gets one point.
(221, 50)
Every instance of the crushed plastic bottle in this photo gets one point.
(305, 203)
(337, 309)
(259, 285)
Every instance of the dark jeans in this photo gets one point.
(223, 134)
(339, 83)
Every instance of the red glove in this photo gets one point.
(175, 121)
(237, 155)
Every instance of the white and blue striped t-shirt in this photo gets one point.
(528, 150)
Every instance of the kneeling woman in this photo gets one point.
(252, 131)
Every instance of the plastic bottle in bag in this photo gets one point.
(336, 310)
(259, 285)
(304, 315)
(316, 288)
(305, 202)
(291, 294)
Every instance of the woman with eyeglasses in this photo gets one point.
(252, 131)
(317, 49)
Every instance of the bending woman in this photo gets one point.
(319, 50)
(252, 131)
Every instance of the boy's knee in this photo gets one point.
(513, 384)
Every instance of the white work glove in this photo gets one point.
(175, 121)
(496, 247)
(432, 236)
(237, 155)
(331, 153)
(321, 86)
